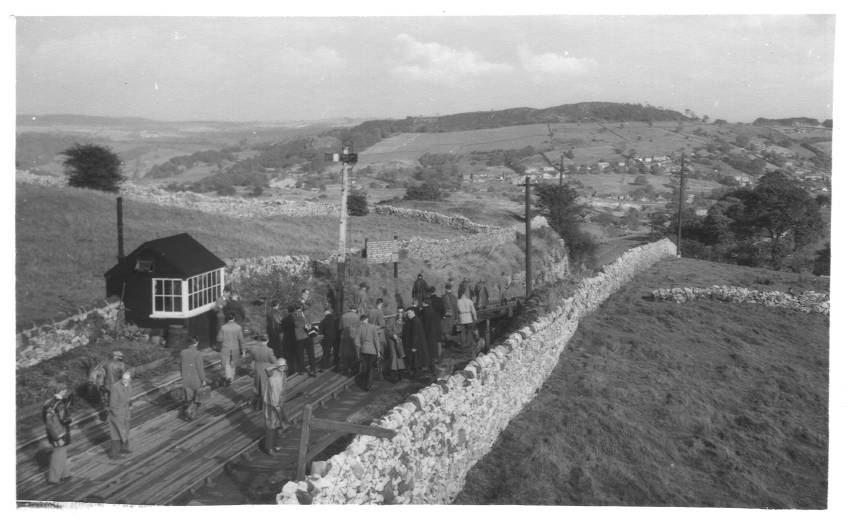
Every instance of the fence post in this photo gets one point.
(305, 442)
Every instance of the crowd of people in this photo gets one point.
(367, 341)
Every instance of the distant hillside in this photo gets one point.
(788, 121)
(368, 133)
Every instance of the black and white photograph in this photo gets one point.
(440, 257)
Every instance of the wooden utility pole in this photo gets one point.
(681, 207)
(528, 277)
(120, 210)
(347, 158)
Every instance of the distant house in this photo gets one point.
(170, 281)
(603, 164)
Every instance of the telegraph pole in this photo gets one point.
(347, 158)
(528, 278)
(681, 207)
(561, 182)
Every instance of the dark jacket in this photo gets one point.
(413, 337)
(436, 303)
(420, 290)
(433, 330)
(57, 420)
(329, 329)
(192, 368)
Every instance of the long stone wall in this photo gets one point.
(444, 429)
(453, 221)
(808, 301)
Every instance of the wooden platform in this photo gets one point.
(170, 456)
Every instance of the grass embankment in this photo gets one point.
(66, 240)
(655, 403)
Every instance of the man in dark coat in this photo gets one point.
(304, 342)
(290, 344)
(193, 376)
(413, 340)
(436, 302)
(482, 294)
(329, 329)
(273, 328)
(57, 422)
(420, 290)
(394, 351)
(119, 417)
(431, 322)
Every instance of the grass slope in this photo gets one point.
(66, 240)
(703, 404)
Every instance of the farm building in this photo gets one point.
(170, 281)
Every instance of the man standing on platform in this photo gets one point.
(449, 313)
(361, 299)
(376, 313)
(329, 329)
(420, 290)
(368, 345)
(119, 417)
(273, 319)
(193, 376)
(275, 396)
(57, 422)
(262, 357)
(433, 333)
(467, 318)
(304, 342)
(112, 374)
(348, 354)
(413, 340)
(231, 340)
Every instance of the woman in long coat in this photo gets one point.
(432, 323)
(274, 397)
(415, 346)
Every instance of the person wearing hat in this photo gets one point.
(275, 396)
(329, 330)
(119, 417)
(273, 328)
(420, 290)
(395, 349)
(57, 422)
(231, 339)
(193, 376)
(369, 348)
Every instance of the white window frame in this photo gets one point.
(168, 314)
(213, 291)
(216, 291)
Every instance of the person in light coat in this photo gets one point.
(467, 318)
(119, 417)
(232, 347)
(274, 398)
(369, 346)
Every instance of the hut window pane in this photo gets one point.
(204, 289)
(167, 296)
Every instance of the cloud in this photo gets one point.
(551, 64)
(442, 64)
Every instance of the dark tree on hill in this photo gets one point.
(94, 167)
(559, 204)
(827, 123)
(425, 191)
(779, 210)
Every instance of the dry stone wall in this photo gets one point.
(47, 341)
(444, 429)
(808, 302)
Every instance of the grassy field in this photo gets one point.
(659, 404)
(66, 240)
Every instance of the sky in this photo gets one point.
(733, 67)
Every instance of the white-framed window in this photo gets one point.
(204, 289)
(167, 296)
